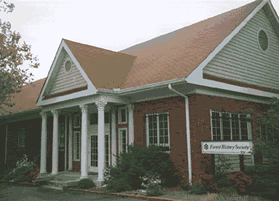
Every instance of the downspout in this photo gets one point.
(188, 138)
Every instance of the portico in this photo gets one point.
(89, 135)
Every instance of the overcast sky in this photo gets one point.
(109, 24)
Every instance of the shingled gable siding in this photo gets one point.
(242, 60)
(67, 81)
(175, 106)
(200, 106)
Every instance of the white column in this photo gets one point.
(131, 123)
(113, 135)
(70, 166)
(43, 143)
(84, 158)
(101, 138)
(55, 143)
(66, 139)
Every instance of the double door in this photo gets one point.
(93, 142)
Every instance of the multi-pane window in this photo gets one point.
(157, 129)
(21, 138)
(122, 140)
(122, 115)
(77, 145)
(268, 133)
(94, 150)
(230, 126)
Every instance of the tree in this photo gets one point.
(13, 54)
(265, 174)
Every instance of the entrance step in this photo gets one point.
(63, 180)
(60, 185)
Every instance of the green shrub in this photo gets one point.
(265, 181)
(86, 183)
(22, 171)
(131, 167)
(154, 189)
(197, 189)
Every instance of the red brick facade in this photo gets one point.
(200, 127)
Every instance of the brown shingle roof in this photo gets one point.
(26, 99)
(106, 69)
(177, 54)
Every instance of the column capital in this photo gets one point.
(54, 113)
(101, 104)
(43, 114)
(83, 108)
(131, 106)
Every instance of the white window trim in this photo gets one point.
(75, 120)
(158, 131)
(249, 126)
(21, 131)
(75, 148)
(120, 117)
(120, 140)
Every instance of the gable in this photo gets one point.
(243, 62)
(67, 81)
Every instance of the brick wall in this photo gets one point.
(176, 108)
(200, 128)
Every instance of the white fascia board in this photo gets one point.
(49, 75)
(91, 89)
(196, 76)
(231, 95)
(92, 99)
(273, 11)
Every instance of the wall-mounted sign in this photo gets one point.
(227, 147)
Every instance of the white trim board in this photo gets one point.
(91, 89)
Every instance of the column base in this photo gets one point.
(99, 183)
(83, 177)
(54, 173)
(43, 171)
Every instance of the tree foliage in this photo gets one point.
(13, 53)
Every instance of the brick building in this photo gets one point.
(189, 91)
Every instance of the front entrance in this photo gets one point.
(93, 142)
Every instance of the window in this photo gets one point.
(21, 138)
(263, 40)
(122, 115)
(230, 126)
(68, 65)
(157, 130)
(268, 133)
(122, 140)
(94, 118)
(77, 146)
(77, 121)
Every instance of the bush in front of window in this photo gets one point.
(265, 181)
(133, 166)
